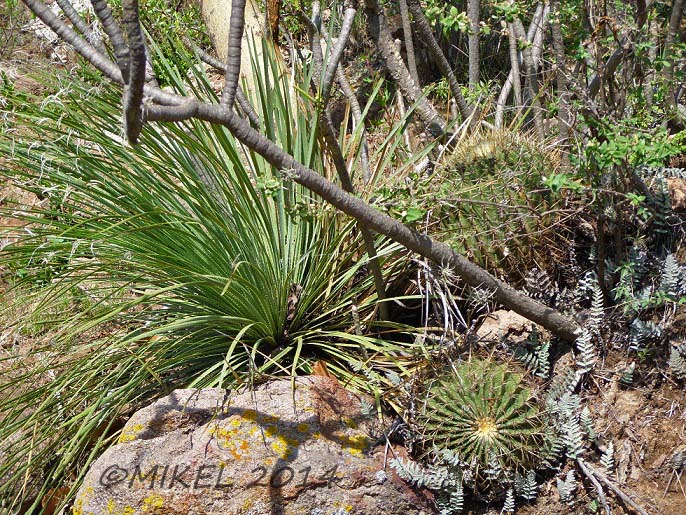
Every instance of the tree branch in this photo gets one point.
(337, 53)
(212, 61)
(114, 32)
(78, 22)
(535, 36)
(133, 90)
(233, 60)
(409, 44)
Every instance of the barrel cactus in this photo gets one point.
(483, 412)
(488, 201)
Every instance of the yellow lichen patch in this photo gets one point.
(77, 509)
(284, 446)
(341, 506)
(235, 422)
(111, 506)
(129, 434)
(302, 428)
(349, 422)
(152, 501)
(357, 444)
(230, 440)
(271, 431)
(281, 448)
(250, 414)
(129, 510)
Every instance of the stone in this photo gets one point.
(503, 324)
(301, 447)
(677, 194)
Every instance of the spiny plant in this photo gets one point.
(483, 412)
(489, 177)
(203, 266)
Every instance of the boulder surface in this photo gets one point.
(302, 447)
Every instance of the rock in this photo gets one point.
(503, 324)
(677, 194)
(275, 450)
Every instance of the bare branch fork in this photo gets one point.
(168, 106)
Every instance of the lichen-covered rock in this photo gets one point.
(291, 448)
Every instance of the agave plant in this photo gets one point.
(482, 413)
(200, 266)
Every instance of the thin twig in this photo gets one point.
(589, 471)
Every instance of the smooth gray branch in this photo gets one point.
(337, 53)
(80, 24)
(426, 33)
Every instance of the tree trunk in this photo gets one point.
(473, 12)
(563, 113)
(379, 31)
(409, 44)
(672, 31)
(425, 32)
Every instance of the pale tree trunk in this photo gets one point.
(425, 32)
(535, 36)
(514, 63)
(376, 20)
(530, 77)
(654, 36)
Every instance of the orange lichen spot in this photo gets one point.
(130, 434)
